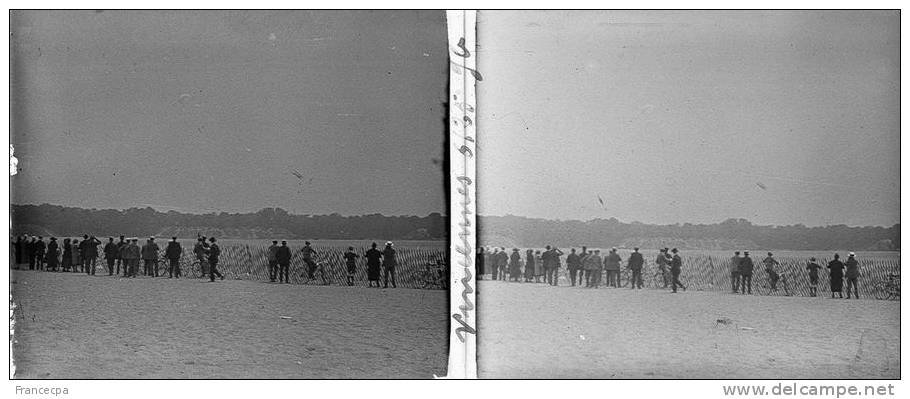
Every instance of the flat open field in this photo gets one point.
(539, 331)
(77, 326)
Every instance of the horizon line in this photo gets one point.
(684, 223)
(219, 212)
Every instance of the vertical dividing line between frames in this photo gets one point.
(462, 114)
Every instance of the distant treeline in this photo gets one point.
(730, 234)
(267, 223)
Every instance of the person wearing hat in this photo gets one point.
(735, 277)
(573, 264)
(530, 265)
(592, 264)
(611, 267)
(283, 257)
(214, 253)
(132, 254)
(77, 256)
(636, 262)
(745, 273)
(150, 257)
(52, 255)
(676, 269)
(172, 252)
(40, 248)
(120, 248)
(350, 259)
(494, 259)
(308, 260)
(89, 253)
(852, 275)
(110, 256)
(273, 260)
(813, 267)
(515, 266)
(374, 264)
(770, 264)
(200, 250)
(836, 276)
(582, 273)
(662, 263)
(502, 262)
(389, 262)
(66, 261)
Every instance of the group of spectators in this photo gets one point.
(742, 268)
(34, 253)
(125, 254)
(587, 267)
(593, 270)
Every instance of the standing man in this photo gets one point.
(40, 249)
(836, 276)
(389, 262)
(852, 275)
(584, 271)
(374, 264)
(573, 263)
(813, 267)
(494, 262)
(131, 256)
(111, 253)
(89, 253)
(636, 262)
(214, 253)
(770, 263)
(52, 255)
(273, 260)
(745, 273)
(30, 251)
(611, 265)
(555, 263)
(308, 261)
(662, 263)
(121, 246)
(502, 262)
(350, 259)
(593, 265)
(150, 257)
(734, 271)
(676, 269)
(200, 250)
(283, 257)
(173, 252)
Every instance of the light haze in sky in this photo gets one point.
(786, 117)
(208, 111)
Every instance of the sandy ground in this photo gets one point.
(538, 331)
(77, 326)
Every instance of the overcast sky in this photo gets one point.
(691, 116)
(203, 111)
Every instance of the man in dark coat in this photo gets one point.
(836, 276)
(273, 260)
(573, 263)
(494, 263)
(583, 272)
(111, 254)
(120, 261)
(502, 262)
(676, 269)
(389, 262)
(30, 252)
(636, 262)
(611, 267)
(172, 253)
(662, 261)
(852, 275)
(40, 249)
(745, 273)
(283, 256)
(214, 254)
(374, 264)
(734, 271)
(150, 257)
(89, 253)
(52, 254)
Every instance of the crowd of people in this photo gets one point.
(590, 269)
(73, 255)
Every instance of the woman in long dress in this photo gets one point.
(515, 266)
(836, 276)
(374, 264)
(67, 255)
(529, 266)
